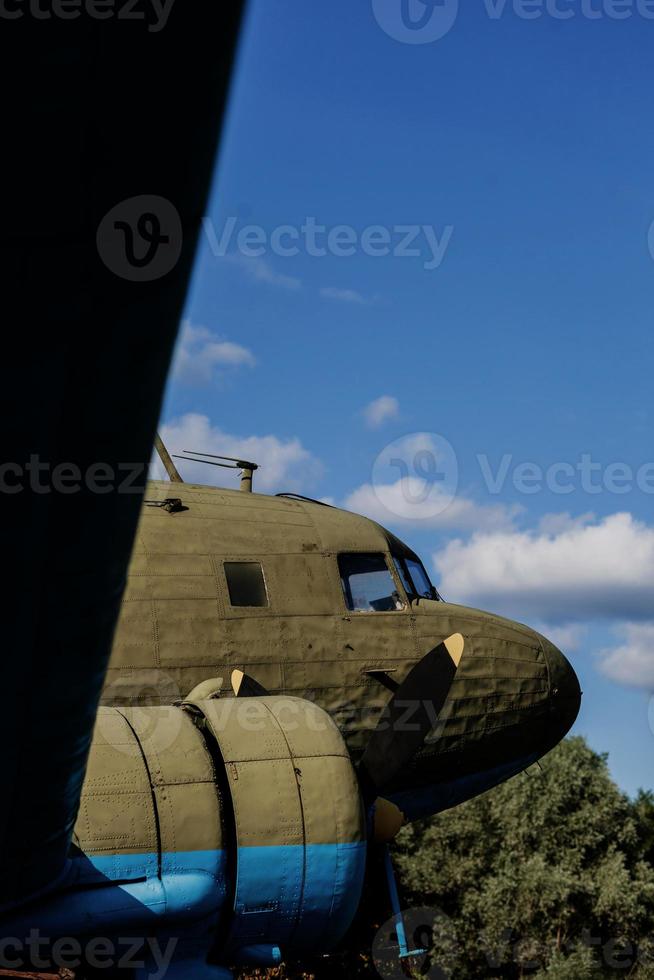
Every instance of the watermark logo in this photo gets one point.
(416, 21)
(317, 240)
(428, 933)
(150, 956)
(38, 476)
(564, 477)
(155, 717)
(416, 477)
(140, 239)
(427, 21)
(571, 9)
(153, 13)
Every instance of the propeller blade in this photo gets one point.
(411, 714)
(388, 821)
(245, 686)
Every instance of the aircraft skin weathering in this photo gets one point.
(247, 757)
(513, 696)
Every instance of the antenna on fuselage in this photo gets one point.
(164, 456)
(232, 463)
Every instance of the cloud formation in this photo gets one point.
(381, 410)
(583, 571)
(404, 504)
(632, 661)
(285, 465)
(562, 577)
(344, 295)
(260, 270)
(200, 352)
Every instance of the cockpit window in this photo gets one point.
(423, 586)
(415, 578)
(403, 572)
(368, 585)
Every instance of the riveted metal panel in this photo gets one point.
(182, 776)
(299, 821)
(150, 789)
(273, 749)
(117, 814)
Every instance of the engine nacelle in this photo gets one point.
(298, 820)
(239, 820)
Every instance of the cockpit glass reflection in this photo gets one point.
(414, 578)
(368, 585)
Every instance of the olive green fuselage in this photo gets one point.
(514, 695)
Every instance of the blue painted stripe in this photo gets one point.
(118, 867)
(277, 900)
(291, 896)
(192, 884)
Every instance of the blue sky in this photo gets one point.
(514, 158)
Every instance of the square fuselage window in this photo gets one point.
(246, 583)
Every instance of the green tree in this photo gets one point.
(545, 876)
(644, 816)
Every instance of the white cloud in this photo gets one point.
(584, 571)
(563, 577)
(260, 270)
(415, 485)
(632, 661)
(285, 465)
(263, 272)
(344, 295)
(557, 523)
(200, 352)
(405, 503)
(381, 410)
(567, 636)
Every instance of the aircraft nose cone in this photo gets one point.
(565, 692)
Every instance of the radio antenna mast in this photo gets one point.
(164, 456)
(229, 463)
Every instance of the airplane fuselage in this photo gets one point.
(320, 603)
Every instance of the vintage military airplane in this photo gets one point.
(206, 808)
(316, 602)
(223, 810)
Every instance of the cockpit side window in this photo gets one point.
(421, 579)
(368, 585)
(402, 571)
(414, 578)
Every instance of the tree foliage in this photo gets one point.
(549, 875)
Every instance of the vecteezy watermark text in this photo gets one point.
(154, 13)
(585, 474)
(416, 477)
(318, 240)
(41, 477)
(427, 21)
(39, 952)
(569, 9)
(430, 939)
(140, 239)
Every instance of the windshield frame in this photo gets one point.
(389, 566)
(404, 572)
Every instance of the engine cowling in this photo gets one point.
(238, 820)
(298, 820)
